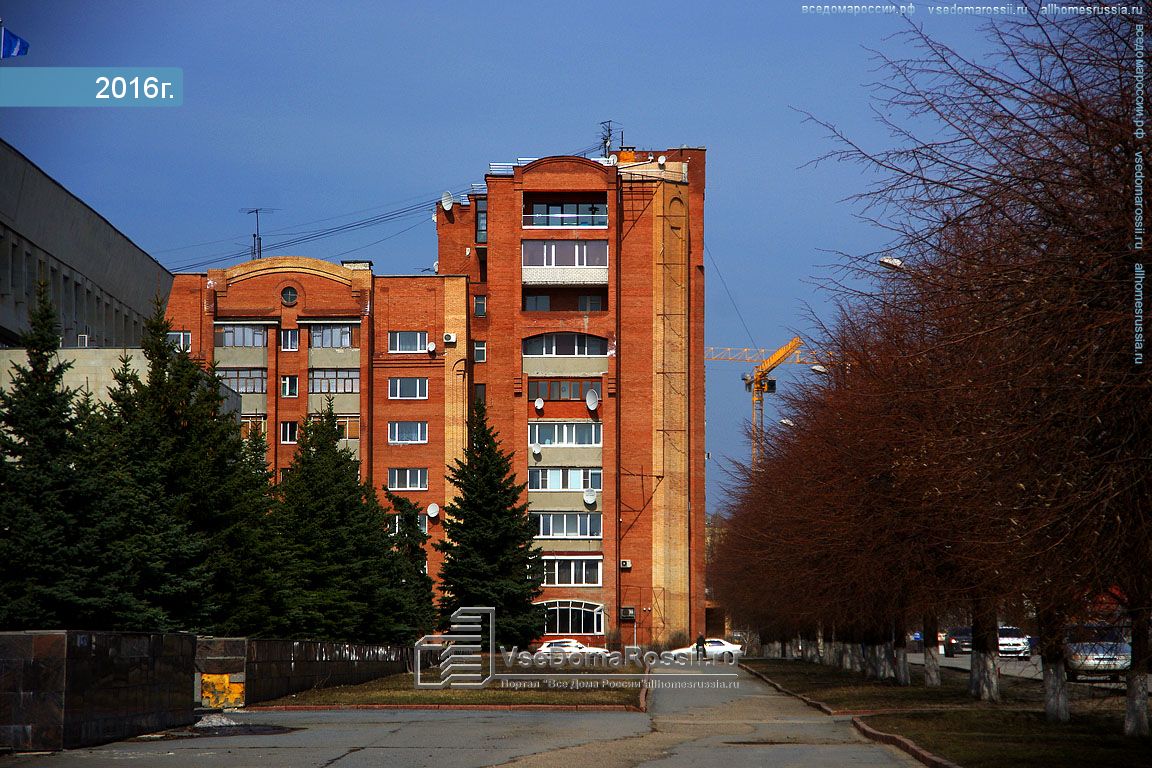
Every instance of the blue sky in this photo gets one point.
(325, 109)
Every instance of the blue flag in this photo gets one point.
(11, 45)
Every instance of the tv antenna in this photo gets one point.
(606, 136)
(257, 247)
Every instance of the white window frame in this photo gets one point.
(568, 524)
(564, 433)
(332, 336)
(480, 305)
(395, 478)
(251, 336)
(182, 340)
(553, 570)
(548, 345)
(394, 433)
(257, 376)
(479, 351)
(334, 381)
(395, 386)
(580, 256)
(289, 339)
(395, 338)
(289, 386)
(552, 607)
(565, 478)
(289, 432)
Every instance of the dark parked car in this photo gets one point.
(958, 640)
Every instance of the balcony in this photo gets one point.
(554, 212)
(564, 275)
(565, 220)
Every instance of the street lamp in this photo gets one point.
(788, 422)
(891, 262)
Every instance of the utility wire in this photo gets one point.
(724, 282)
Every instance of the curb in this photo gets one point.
(477, 707)
(891, 739)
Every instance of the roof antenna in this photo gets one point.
(606, 136)
(257, 246)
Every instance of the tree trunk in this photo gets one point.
(1136, 711)
(931, 651)
(900, 649)
(984, 677)
(1051, 626)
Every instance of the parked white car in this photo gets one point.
(569, 647)
(1013, 642)
(714, 649)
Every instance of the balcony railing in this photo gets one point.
(566, 220)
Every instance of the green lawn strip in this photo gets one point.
(399, 689)
(991, 738)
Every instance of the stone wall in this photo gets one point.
(68, 689)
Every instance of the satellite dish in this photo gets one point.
(539, 403)
(447, 201)
(431, 346)
(589, 496)
(612, 159)
(536, 449)
(661, 160)
(436, 267)
(433, 509)
(592, 400)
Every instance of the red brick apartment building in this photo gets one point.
(570, 297)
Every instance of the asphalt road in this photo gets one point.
(734, 727)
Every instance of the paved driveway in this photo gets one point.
(748, 725)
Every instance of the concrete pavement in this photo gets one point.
(749, 725)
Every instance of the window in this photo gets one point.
(565, 214)
(349, 427)
(481, 221)
(288, 296)
(288, 432)
(568, 525)
(253, 423)
(406, 388)
(241, 336)
(246, 381)
(290, 340)
(405, 342)
(334, 336)
(537, 302)
(565, 478)
(591, 303)
(407, 479)
(334, 381)
(480, 393)
(400, 432)
(565, 433)
(289, 386)
(572, 617)
(480, 306)
(182, 340)
(394, 528)
(564, 253)
(565, 345)
(562, 389)
(479, 351)
(572, 571)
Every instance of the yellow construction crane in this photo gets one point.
(758, 382)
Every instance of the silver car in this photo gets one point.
(1096, 650)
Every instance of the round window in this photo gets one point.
(288, 296)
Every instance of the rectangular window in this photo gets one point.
(564, 253)
(479, 351)
(334, 336)
(408, 388)
(289, 386)
(480, 305)
(568, 525)
(565, 345)
(591, 303)
(182, 340)
(569, 434)
(565, 478)
(253, 423)
(401, 432)
(290, 340)
(572, 571)
(537, 302)
(565, 214)
(406, 342)
(480, 393)
(241, 336)
(562, 389)
(288, 432)
(334, 381)
(349, 427)
(246, 381)
(481, 220)
(407, 479)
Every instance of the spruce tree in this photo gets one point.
(489, 555)
(417, 608)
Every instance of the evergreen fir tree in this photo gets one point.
(489, 555)
(417, 610)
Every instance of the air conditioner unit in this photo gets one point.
(625, 565)
(627, 613)
(449, 338)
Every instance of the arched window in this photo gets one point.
(565, 345)
(573, 617)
